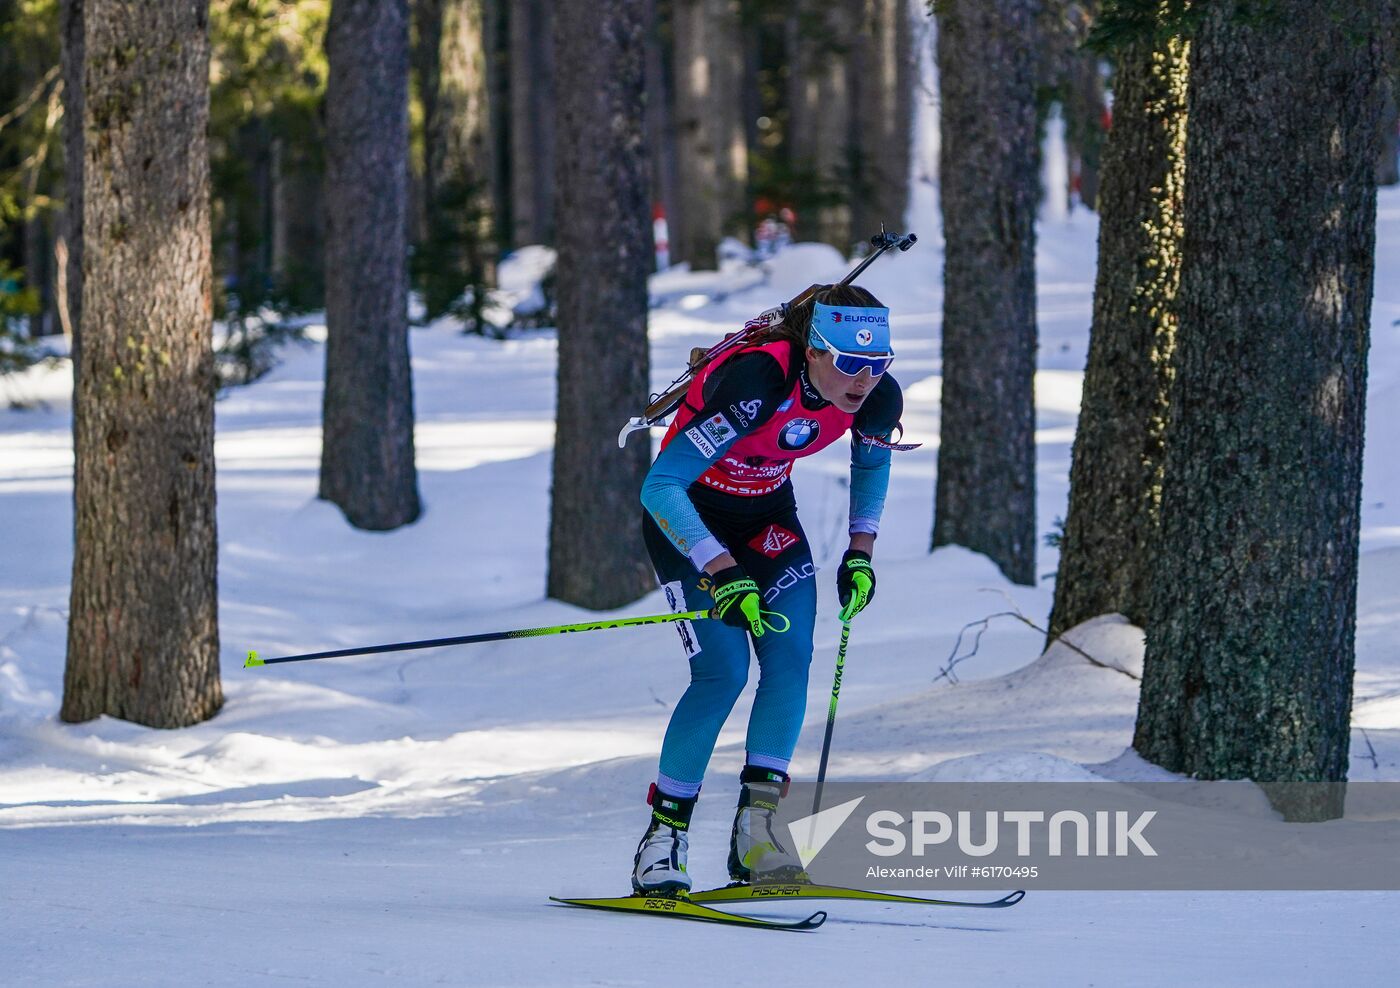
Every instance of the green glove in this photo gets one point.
(737, 602)
(855, 583)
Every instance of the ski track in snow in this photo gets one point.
(402, 818)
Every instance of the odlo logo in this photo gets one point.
(791, 577)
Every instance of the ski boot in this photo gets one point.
(659, 867)
(755, 852)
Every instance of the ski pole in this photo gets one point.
(831, 715)
(490, 636)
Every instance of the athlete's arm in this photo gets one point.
(739, 397)
(870, 479)
(870, 465)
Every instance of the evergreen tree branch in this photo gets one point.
(26, 104)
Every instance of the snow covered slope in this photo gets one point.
(402, 818)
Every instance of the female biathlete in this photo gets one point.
(721, 523)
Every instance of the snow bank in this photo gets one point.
(1007, 766)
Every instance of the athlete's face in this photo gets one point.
(845, 392)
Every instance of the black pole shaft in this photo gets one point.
(826, 750)
(490, 636)
(831, 716)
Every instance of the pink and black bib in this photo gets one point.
(761, 460)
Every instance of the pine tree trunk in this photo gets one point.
(367, 464)
(425, 64)
(901, 153)
(1250, 637)
(71, 31)
(987, 171)
(298, 223)
(458, 254)
(496, 42)
(1070, 72)
(143, 636)
(820, 132)
(1084, 105)
(532, 121)
(596, 557)
(1084, 130)
(1116, 471)
(882, 83)
(1388, 160)
(711, 151)
(251, 212)
(37, 275)
(661, 123)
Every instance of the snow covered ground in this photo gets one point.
(403, 818)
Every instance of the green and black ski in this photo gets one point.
(677, 908)
(740, 892)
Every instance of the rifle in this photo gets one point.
(661, 405)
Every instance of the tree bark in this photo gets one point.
(1116, 471)
(71, 40)
(661, 122)
(1084, 107)
(298, 224)
(143, 638)
(820, 133)
(498, 164)
(1250, 635)
(459, 250)
(883, 77)
(532, 121)
(367, 464)
(711, 148)
(251, 213)
(1069, 74)
(1388, 159)
(38, 275)
(425, 64)
(596, 556)
(987, 169)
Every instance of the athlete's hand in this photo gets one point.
(855, 583)
(737, 602)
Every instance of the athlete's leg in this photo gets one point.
(779, 558)
(719, 668)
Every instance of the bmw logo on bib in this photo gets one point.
(799, 433)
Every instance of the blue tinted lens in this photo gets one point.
(852, 364)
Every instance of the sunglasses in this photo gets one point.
(852, 364)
